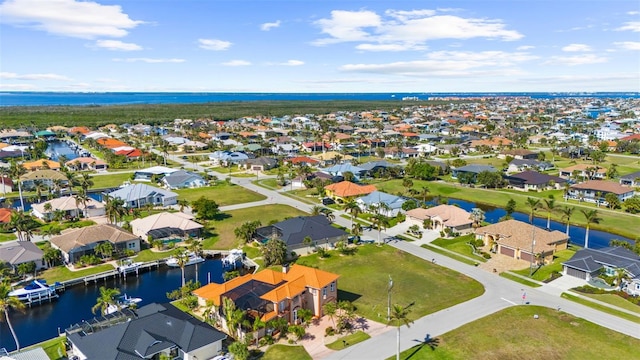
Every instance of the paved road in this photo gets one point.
(500, 293)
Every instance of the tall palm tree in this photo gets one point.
(353, 208)
(477, 216)
(379, 222)
(85, 181)
(316, 210)
(114, 208)
(182, 258)
(533, 205)
(16, 170)
(356, 230)
(8, 303)
(82, 199)
(567, 212)
(591, 216)
(107, 297)
(424, 193)
(196, 247)
(399, 316)
(183, 203)
(550, 206)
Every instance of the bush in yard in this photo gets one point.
(329, 331)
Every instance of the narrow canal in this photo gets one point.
(43, 322)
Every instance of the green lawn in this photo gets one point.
(543, 273)
(281, 352)
(448, 254)
(61, 273)
(151, 255)
(54, 348)
(110, 180)
(223, 194)
(268, 183)
(602, 308)
(513, 333)
(519, 279)
(346, 341)
(364, 279)
(221, 231)
(616, 222)
(614, 300)
(7, 237)
(459, 245)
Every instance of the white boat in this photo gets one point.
(35, 290)
(193, 259)
(233, 258)
(127, 266)
(122, 303)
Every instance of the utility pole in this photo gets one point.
(389, 287)
(533, 243)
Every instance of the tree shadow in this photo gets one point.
(348, 296)
(429, 341)
(362, 324)
(221, 216)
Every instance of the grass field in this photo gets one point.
(614, 300)
(222, 230)
(364, 278)
(109, 181)
(54, 348)
(613, 221)
(448, 254)
(7, 237)
(61, 273)
(519, 279)
(150, 255)
(346, 341)
(459, 245)
(223, 194)
(281, 352)
(513, 333)
(544, 272)
(602, 308)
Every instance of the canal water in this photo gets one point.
(43, 322)
(58, 148)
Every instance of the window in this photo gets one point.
(131, 245)
(333, 285)
(295, 316)
(282, 305)
(324, 291)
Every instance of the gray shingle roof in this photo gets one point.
(616, 257)
(293, 231)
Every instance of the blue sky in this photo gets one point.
(320, 46)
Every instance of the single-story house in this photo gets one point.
(340, 169)
(74, 243)
(515, 238)
(381, 203)
(583, 171)
(518, 154)
(87, 163)
(41, 164)
(632, 179)
(166, 226)
(157, 331)
(21, 252)
(224, 158)
(345, 190)
(442, 217)
(270, 294)
(534, 181)
(590, 263)
(595, 191)
(148, 173)
(138, 195)
(70, 206)
(473, 169)
(293, 231)
(46, 176)
(260, 164)
(523, 164)
(371, 167)
(183, 179)
(6, 185)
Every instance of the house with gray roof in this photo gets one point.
(632, 179)
(74, 243)
(472, 169)
(182, 180)
(293, 231)
(261, 163)
(534, 181)
(589, 263)
(381, 203)
(21, 252)
(156, 331)
(138, 195)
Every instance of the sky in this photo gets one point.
(320, 45)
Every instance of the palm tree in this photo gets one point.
(550, 206)
(399, 316)
(423, 193)
(6, 304)
(477, 216)
(183, 203)
(567, 212)
(48, 208)
(621, 275)
(16, 170)
(85, 182)
(379, 222)
(316, 210)
(104, 249)
(533, 205)
(22, 223)
(114, 209)
(107, 297)
(196, 247)
(82, 199)
(591, 216)
(182, 258)
(356, 230)
(353, 208)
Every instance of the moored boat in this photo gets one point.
(123, 302)
(36, 290)
(192, 259)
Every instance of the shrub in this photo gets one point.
(329, 331)
(486, 255)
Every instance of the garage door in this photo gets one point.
(507, 251)
(576, 273)
(525, 256)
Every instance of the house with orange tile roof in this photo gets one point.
(345, 190)
(5, 215)
(494, 143)
(41, 164)
(110, 143)
(270, 294)
(583, 171)
(79, 130)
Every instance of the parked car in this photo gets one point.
(328, 201)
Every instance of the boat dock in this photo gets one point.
(95, 278)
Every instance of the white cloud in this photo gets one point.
(576, 47)
(117, 45)
(236, 63)
(270, 25)
(583, 59)
(80, 19)
(630, 26)
(14, 76)
(405, 30)
(214, 44)
(525, 47)
(292, 63)
(633, 12)
(150, 60)
(628, 45)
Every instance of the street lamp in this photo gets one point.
(389, 287)
(533, 243)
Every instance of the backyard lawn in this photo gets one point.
(513, 333)
(221, 231)
(364, 279)
(280, 352)
(223, 194)
(109, 180)
(544, 272)
(152, 255)
(61, 273)
(459, 245)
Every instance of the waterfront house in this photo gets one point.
(139, 195)
(595, 191)
(157, 331)
(48, 178)
(70, 206)
(41, 164)
(270, 294)
(447, 218)
(21, 252)
(381, 203)
(166, 226)
(74, 243)
(632, 179)
(345, 190)
(534, 181)
(87, 163)
(182, 180)
(472, 169)
(293, 231)
(517, 165)
(515, 239)
(584, 172)
(590, 263)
